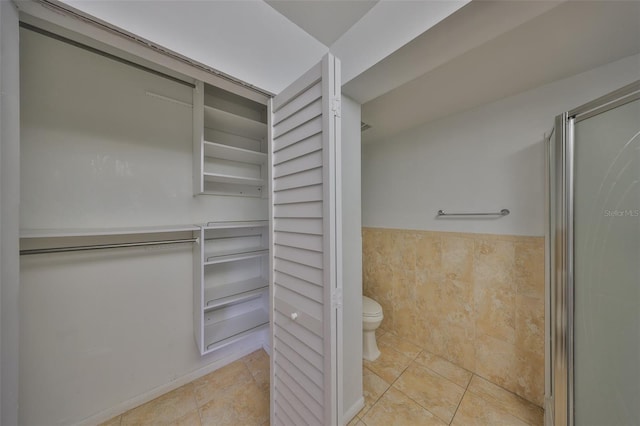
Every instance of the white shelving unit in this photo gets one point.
(234, 257)
(234, 123)
(231, 259)
(230, 143)
(231, 153)
(240, 180)
(227, 331)
(231, 284)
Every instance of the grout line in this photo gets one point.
(508, 391)
(444, 377)
(436, 373)
(466, 389)
(502, 405)
(419, 404)
(390, 384)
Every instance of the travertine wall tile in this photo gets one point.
(476, 300)
(530, 323)
(529, 271)
(457, 258)
(495, 290)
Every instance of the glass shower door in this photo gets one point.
(594, 264)
(606, 266)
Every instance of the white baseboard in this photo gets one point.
(266, 346)
(548, 411)
(351, 412)
(238, 350)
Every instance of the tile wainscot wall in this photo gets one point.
(477, 300)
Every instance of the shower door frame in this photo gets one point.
(560, 246)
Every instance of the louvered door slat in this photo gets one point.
(304, 147)
(304, 359)
(298, 286)
(312, 388)
(304, 241)
(299, 195)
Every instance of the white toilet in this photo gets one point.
(371, 319)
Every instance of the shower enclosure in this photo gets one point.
(594, 263)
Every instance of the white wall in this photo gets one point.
(103, 331)
(484, 159)
(99, 152)
(352, 258)
(9, 202)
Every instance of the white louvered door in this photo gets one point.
(306, 249)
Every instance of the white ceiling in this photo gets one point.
(471, 26)
(408, 62)
(566, 40)
(246, 39)
(388, 26)
(254, 41)
(326, 20)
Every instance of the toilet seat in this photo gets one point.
(370, 308)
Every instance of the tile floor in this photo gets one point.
(406, 386)
(409, 386)
(237, 394)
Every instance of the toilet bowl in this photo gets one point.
(371, 319)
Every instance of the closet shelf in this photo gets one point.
(234, 292)
(223, 258)
(92, 232)
(229, 330)
(231, 153)
(235, 124)
(237, 224)
(222, 178)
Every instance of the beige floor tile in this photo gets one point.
(191, 419)
(112, 422)
(435, 393)
(394, 342)
(373, 386)
(389, 365)
(259, 365)
(476, 411)
(244, 404)
(511, 402)
(395, 408)
(214, 383)
(457, 375)
(163, 410)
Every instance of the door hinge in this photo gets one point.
(336, 106)
(336, 298)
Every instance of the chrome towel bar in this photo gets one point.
(502, 212)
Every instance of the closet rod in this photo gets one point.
(502, 212)
(103, 53)
(105, 246)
